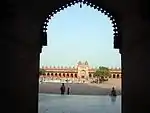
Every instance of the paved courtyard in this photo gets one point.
(51, 103)
(83, 89)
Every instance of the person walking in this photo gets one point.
(62, 89)
(68, 91)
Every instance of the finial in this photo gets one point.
(81, 3)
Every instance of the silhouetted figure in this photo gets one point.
(113, 92)
(62, 89)
(68, 90)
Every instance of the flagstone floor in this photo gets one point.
(51, 103)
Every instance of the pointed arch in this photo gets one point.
(93, 4)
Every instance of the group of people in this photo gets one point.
(63, 89)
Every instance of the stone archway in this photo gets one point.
(114, 76)
(90, 75)
(118, 76)
(112, 18)
(24, 38)
(110, 13)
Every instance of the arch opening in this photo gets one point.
(66, 75)
(114, 76)
(118, 76)
(109, 14)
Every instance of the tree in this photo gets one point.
(42, 71)
(101, 73)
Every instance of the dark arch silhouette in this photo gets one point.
(90, 75)
(114, 76)
(93, 4)
(60, 74)
(118, 76)
(75, 75)
(48, 74)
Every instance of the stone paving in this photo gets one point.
(78, 89)
(51, 103)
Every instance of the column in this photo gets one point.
(65, 75)
(135, 55)
(50, 75)
(54, 75)
(111, 76)
(61, 74)
(20, 50)
(58, 75)
(116, 76)
(120, 75)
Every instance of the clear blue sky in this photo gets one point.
(80, 34)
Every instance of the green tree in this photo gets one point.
(42, 71)
(101, 73)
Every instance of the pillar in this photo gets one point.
(54, 75)
(111, 76)
(20, 50)
(58, 76)
(62, 76)
(120, 76)
(135, 55)
(116, 76)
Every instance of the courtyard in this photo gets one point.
(52, 103)
(83, 89)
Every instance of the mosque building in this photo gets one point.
(82, 71)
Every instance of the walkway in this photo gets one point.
(78, 104)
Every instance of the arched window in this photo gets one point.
(71, 75)
(75, 75)
(118, 76)
(114, 76)
(90, 75)
(60, 74)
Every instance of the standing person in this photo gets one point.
(113, 92)
(62, 88)
(68, 90)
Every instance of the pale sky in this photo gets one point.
(80, 34)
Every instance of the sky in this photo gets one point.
(80, 34)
